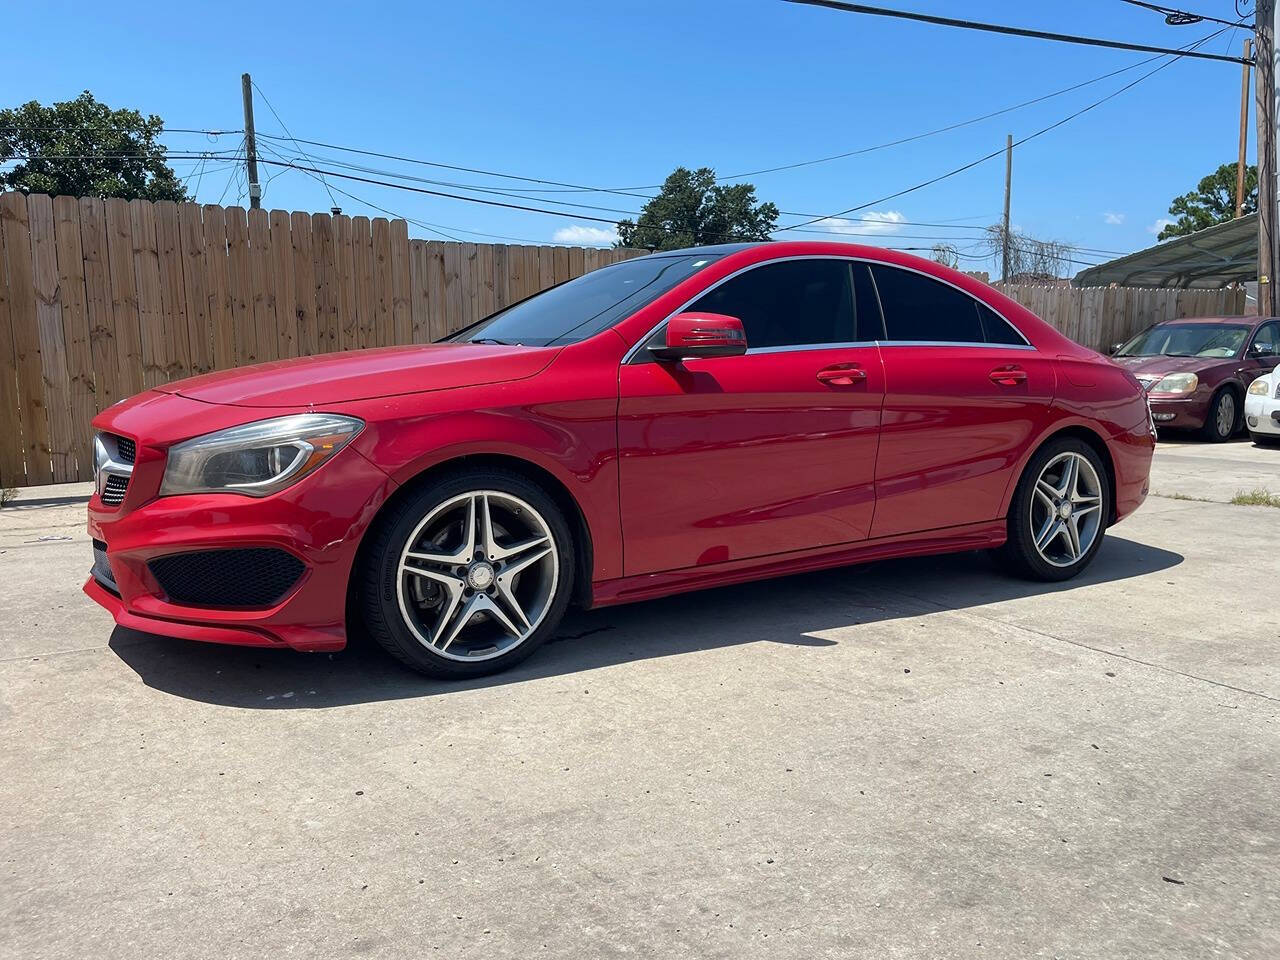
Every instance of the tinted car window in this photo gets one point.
(918, 308)
(1268, 336)
(583, 307)
(996, 329)
(790, 303)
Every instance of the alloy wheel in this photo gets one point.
(1226, 414)
(477, 575)
(1066, 509)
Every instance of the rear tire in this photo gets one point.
(1223, 418)
(468, 575)
(1058, 517)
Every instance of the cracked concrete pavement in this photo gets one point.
(917, 758)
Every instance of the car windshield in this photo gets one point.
(1187, 340)
(583, 307)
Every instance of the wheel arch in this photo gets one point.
(1085, 434)
(584, 552)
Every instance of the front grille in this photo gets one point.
(127, 449)
(246, 577)
(113, 491)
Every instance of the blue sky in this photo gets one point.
(616, 94)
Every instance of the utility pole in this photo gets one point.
(1265, 104)
(1244, 130)
(250, 143)
(1004, 230)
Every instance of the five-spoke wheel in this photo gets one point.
(469, 575)
(1059, 512)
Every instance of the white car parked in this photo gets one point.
(1262, 408)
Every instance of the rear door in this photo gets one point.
(965, 393)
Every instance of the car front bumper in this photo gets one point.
(1179, 412)
(318, 522)
(1262, 415)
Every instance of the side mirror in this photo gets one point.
(1115, 348)
(1261, 350)
(694, 335)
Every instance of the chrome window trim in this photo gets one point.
(955, 343)
(631, 354)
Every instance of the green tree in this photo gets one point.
(83, 148)
(1212, 201)
(693, 209)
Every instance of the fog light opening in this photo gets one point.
(1163, 417)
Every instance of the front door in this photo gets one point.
(733, 458)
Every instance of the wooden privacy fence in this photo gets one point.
(1097, 317)
(100, 299)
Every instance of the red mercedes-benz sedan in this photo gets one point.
(681, 420)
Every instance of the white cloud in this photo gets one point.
(868, 223)
(585, 236)
(1114, 219)
(1160, 225)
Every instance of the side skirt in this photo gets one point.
(973, 536)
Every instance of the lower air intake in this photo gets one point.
(248, 577)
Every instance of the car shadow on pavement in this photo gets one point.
(788, 610)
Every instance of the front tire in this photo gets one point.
(1059, 512)
(468, 575)
(1223, 418)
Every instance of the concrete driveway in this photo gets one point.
(917, 758)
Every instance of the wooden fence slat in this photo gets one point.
(286, 305)
(327, 293)
(401, 318)
(263, 289)
(304, 284)
(362, 257)
(75, 330)
(173, 294)
(26, 339)
(195, 288)
(419, 320)
(56, 384)
(124, 296)
(437, 296)
(453, 314)
(345, 274)
(468, 282)
(103, 346)
(217, 265)
(381, 332)
(146, 269)
(240, 284)
(12, 469)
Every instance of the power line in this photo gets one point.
(999, 152)
(1010, 31)
(284, 126)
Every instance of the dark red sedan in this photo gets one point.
(681, 420)
(1197, 370)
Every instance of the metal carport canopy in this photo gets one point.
(1211, 258)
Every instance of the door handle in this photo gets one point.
(842, 375)
(1010, 375)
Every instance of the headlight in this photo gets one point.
(1259, 387)
(256, 459)
(1177, 383)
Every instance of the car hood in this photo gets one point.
(364, 375)
(1160, 366)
